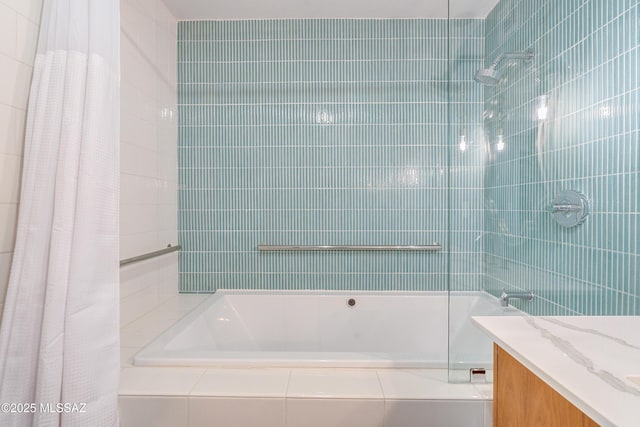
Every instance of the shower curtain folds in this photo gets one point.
(59, 338)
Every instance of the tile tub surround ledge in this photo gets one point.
(192, 396)
(587, 359)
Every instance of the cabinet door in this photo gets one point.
(521, 399)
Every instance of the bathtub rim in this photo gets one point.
(147, 355)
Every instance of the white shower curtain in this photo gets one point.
(59, 342)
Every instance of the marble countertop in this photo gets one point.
(591, 361)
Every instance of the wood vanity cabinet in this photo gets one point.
(521, 399)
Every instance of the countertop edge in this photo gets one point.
(544, 376)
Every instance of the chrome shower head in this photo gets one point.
(491, 76)
(487, 76)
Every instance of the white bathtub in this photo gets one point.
(321, 329)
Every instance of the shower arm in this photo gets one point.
(527, 56)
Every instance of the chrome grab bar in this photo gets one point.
(298, 248)
(150, 255)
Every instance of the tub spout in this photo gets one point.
(506, 296)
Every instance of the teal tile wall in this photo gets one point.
(326, 132)
(586, 64)
(466, 105)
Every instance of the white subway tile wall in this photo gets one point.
(19, 24)
(148, 166)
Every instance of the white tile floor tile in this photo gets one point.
(423, 384)
(329, 383)
(335, 412)
(236, 412)
(434, 413)
(159, 381)
(243, 383)
(140, 411)
(488, 414)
